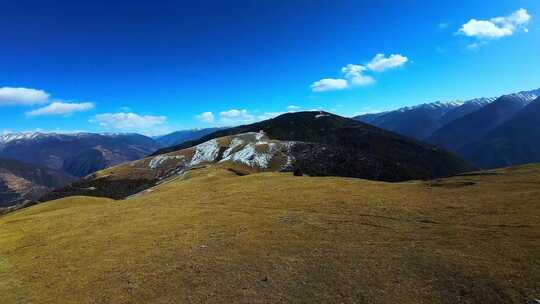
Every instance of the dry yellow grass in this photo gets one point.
(216, 237)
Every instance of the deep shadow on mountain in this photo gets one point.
(472, 127)
(515, 142)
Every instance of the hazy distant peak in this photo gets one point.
(10, 137)
(434, 105)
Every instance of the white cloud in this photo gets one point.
(381, 63)
(329, 84)
(129, 121)
(61, 108)
(354, 75)
(206, 117)
(353, 72)
(484, 29)
(22, 96)
(235, 116)
(497, 27)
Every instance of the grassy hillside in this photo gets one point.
(216, 237)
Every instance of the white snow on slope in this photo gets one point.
(255, 150)
(206, 152)
(20, 136)
(525, 96)
(249, 156)
(160, 159)
(235, 143)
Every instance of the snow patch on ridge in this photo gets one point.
(160, 159)
(206, 152)
(235, 143)
(255, 150)
(249, 156)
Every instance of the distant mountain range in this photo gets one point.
(514, 142)
(461, 127)
(76, 154)
(473, 127)
(179, 137)
(416, 122)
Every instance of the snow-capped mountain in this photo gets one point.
(416, 121)
(433, 105)
(28, 136)
(422, 121)
(466, 108)
(459, 133)
(77, 154)
(10, 137)
(514, 142)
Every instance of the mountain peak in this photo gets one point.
(525, 96)
(334, 145)
(16, 136)
(433, 105)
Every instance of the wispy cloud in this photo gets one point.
(61, 108)
(497, 27)
(207, 117)
(329, 84)
(293, 108)
(235, 116)
(380, 63)
(354, 75)
(133, 122)
(443, 25)
(22, 96)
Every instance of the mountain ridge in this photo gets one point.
(514, 142)
(77, 154)
(335, 132)
(473, 126)
(424, 120)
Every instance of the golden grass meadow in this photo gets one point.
(216, 237)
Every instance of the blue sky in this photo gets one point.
(166, 65)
